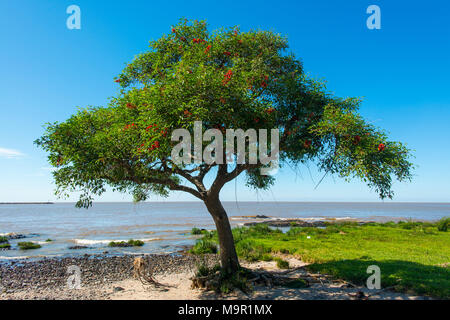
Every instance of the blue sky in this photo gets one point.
(401, 71)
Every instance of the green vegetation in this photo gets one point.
(28, 245)
(412, 256)
(197, 231)
(443, 224)
(5, 246)
(216, 279)
(48, 240)
(203, 246)
(3, 239)
(282, 264)
(129, 243)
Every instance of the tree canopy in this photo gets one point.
(227, 79)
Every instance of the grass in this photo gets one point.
(204, 246)
(411, 255)
(28, 245)
(282, 264)
(5, 246)
(3, 239)
(197, 231)
(129, 243)
(443, 224)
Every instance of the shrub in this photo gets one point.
(203, 246)
(203, 270)
(217, 279)
(5, 246)
(48, 240)
(196, 231)
(250, 251)
(443, 224)
(266, 257)
(282, 264)
(129, 243)
(3, 239)
(28, 245)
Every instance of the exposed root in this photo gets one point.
(142, 272)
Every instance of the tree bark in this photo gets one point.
(228, 256)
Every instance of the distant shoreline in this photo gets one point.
(26, 203)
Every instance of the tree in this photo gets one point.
(226, 79)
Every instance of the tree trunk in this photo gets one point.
(228, 256)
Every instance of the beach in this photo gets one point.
(111, 278)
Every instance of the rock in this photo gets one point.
(13, 235)
(117, 289)
(78, 247)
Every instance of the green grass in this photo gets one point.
(409, 254)
(129, 243)
(28, 245)
(204, 246)
(197, 231)
(282, 264)
(5, 246)
(3, 239)
(443, 224)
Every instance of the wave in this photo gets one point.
(15, 257)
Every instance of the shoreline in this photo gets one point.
(78, 249)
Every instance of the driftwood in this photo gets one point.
(142, 272)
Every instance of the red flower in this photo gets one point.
(270, 110)
(187, 113)
(227, 53)
(381, 147)
(173, 30)
(195, 40)
(207, 48)
(256, 120)
(222, 100)
(131, 106)
(227, 77)
(357, 139)
(307, 143)
(263, 84)
(118, 80)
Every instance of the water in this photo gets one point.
(165, 226)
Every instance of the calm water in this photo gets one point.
(164, 226)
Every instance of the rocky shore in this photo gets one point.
(33, 278)
(277, 222)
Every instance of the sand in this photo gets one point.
(177, 286)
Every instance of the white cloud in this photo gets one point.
(10, 153)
